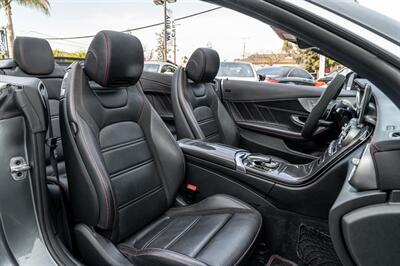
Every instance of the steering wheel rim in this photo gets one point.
(330, 93)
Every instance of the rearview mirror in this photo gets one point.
(261, 77)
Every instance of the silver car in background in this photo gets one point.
(237, 71)
(159, 67)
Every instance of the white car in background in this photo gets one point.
(237, 71)
(159, 67)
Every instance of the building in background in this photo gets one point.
(270, 59)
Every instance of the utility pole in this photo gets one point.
(244, 49)
(175, 49)
(175, 46)
(165, 32)
(164, 3)
(244, 46)
(321, 72)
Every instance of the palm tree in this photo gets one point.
(42, 5)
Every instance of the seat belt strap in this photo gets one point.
(51, 142)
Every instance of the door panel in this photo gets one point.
(157, 88)
(270, 117)
(23, 235)
(262, 91)
(268, 108)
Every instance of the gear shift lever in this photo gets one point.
(262, 162)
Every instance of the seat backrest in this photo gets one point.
(123, 164)
(198, 111)
(34, 58)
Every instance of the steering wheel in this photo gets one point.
(330, 93)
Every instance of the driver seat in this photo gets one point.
(198, 111)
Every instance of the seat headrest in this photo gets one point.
(114, 59)
(33, 55)
(203, 65)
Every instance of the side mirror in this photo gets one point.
(261, 77)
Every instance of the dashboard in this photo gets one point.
(366, 201)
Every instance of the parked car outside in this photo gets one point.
(237, 71)
(324, 81)
(286, 74)
(159, 67)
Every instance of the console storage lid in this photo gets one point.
(217, 153)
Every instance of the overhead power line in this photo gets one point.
(135, 29)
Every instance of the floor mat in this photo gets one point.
(277, 260)
(315, 247)
(260, 255)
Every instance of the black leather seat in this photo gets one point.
(125, 169)
(33, 57)
(198, 111)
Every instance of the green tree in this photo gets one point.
(311, 61)
(42, 5)
(78, 54)
(307, 57)
(184, 60)
(160, 47)
(293, 51)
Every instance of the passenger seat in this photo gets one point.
(34, 58)
(125, 169)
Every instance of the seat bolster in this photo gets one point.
(166, 152)
(228, 128)
(185, 122)
(157, 256)
(92, 199)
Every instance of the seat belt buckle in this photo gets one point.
(191, 187)
(191, 191)
(52, 144)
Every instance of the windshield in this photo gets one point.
(381, 17)
(236, 70)
(151, 67)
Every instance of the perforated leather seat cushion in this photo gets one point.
(217, 231)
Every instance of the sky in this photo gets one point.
(225, 30)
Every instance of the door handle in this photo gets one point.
(297, 120)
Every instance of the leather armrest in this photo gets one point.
(213, 152)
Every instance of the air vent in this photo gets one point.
(396, 134)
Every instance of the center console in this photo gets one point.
(270, 168)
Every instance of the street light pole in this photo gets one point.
(165, 32)
(175, 49)
(321, 71)
(164, 3)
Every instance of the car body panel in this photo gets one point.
(21, 240)
(286, 74)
